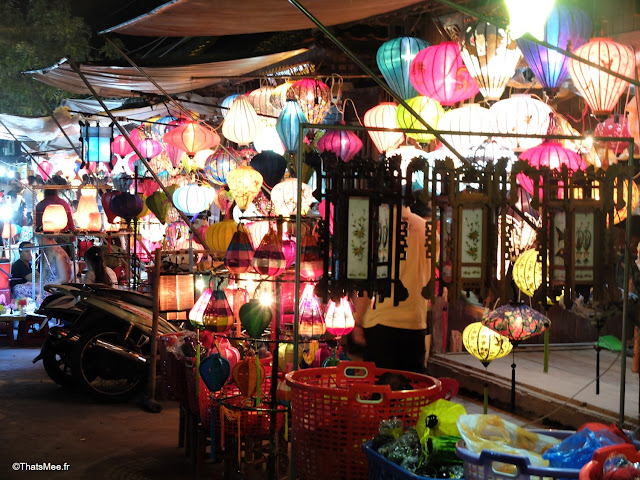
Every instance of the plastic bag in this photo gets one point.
(490, 432)
(439, 418)
(576, 450)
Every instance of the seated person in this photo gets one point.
(97, 270)
(21, 275)
(55, 263)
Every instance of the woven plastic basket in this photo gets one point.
(381, 468)
(335, 410)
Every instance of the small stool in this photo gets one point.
(6, 332)
(29, 332)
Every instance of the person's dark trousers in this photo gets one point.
(395, 348)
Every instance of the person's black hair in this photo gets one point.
(419, 207)
(24, 244)
(94, 260)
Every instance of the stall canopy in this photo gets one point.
(180, 18)
(112, 81)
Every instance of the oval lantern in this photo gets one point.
(614, 126)
(120, 146)
(248, 375)
(313, 96)
(150, 148)
(44, 169)
(523, 114)
(339, 318)
(600, 90)
(311, 261)
(191, 138)
(439, 72)
(191, 199)
(159, 204)
(430, 111)
(105, 199)
(288, 125)
(485, 344)
(527, 272)
(218, 165)
(215, 370)
(394, 60)
(218, 236)
(226, 104)
(284, 197)
(244, 184)
(383, 116)
(467, 118)
(255, 317)
(491, 56)
(312, 324)
(126, 205)
(344, 143)
(285, 355)
(271, 166)
(241, 125)
(260, 100)
(279, 96)
(268, 139)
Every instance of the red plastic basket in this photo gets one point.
(335, 410)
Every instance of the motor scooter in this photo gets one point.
(101, 338)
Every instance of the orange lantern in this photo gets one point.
(191, 138)
(244, 183)
(86, 206)
(9, 230)
(601, 91)
(54, 219)
(383, 116)
(241, 125)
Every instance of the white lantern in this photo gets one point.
(468, 118)
(191, 199)
(284, 197)
(268, 139)
(521, 114)
(241, 125)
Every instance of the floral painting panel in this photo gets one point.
(358, 238)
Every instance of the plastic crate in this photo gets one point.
(381, 468)
(335, 410)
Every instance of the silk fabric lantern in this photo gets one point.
(428, 109)
(521, 114)
(120, 146)
(218, 165)
(248, 374)
(278, 97)
(86, 205)
(271, 166)
(314, 98)
(383, 116)
(255, 317)
(226, 104)
(467, 118)
(268, 258)
(268, 139)
(312, 324)
(260, 100)
(567, 27)
(344, 143)
(394, 60)
(339, 318)
(491, 56)
(191, 138)
(439, 72)
(489, 152)
(241, 125)
(159, 204)
(600, 90)
(239, 253)
(126, 205)
(150, 148)
(485, 344)
(285, 197)
(191, 199)
(527, 272)
(54, 218)
(288, 125)
(197, 311)
(218, 316)
(244, 184)
(44, 169)
(311, 261)
(219, 235)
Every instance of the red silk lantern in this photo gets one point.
(106, 205)
(344, 143)
(439, 72)
(191, 138)
(120, 146)
(383, 116)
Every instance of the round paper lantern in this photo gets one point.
(614, 126)
(430, 111)
(313, 96)
(467, 118)
(288, 125)
(226, 104)
(54, 218)
(191, 199)
(126, 205)
(285, 197)
(485, 344)
(218, 165)
(218, 236)
(191, 138)
(244, 184)
(439, 72)
(271, 166)
(568, 27)
(383, 116)
(163, 124)
(521, 114)
(344, 143)
(120, 146)
(86, 205)
(150, 148)
(241, 125)
(260, 100)
(339, 318)
(268, 139)
(527, 272)
(600, 90)
(491, 56)
(394, 60)
(278, 96)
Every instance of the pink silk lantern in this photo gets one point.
(150, 148)
(228, 351)
(339, 317)
(312, 324)
(344, 143)
(44, 169)
(289, 250)
(120, 146)
(196, 312)
(439, 72)
(148, 187)
(311, 263)
(614, 126)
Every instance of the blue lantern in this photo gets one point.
(394, 58)
(96, 142)
(568, 28)
(288, 125)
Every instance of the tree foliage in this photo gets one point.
(36, 34)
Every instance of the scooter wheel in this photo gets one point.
(106, 375)
(57, 365)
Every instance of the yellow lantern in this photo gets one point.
(527, 272)
(86, 206)
(429, 109)
(383, 116)
(54, 219)
(244, 184)
(621, 213)
(278, 96)
(284, 197)
(241, 125)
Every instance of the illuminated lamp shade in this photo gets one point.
(176, 292)
(44, 169)
(311, 324)
(568, 28)
(314, 98)
(614, 126)
(120, 146)
(260, 99)
(339, 317)
(217, 316)
(527, 272)
(191, 137)
(54, 219)
(600, 90)
(197, 311)
(528, 17)
(218, 165)
(491, 56)
(288, 125)
(516, 321)
(226, 104)
(430, 111)
(285, 195)
(9, 230)
(150, 148)
(163, 124)
(394, 60)
(86, 206)
(244, 183)
(191, 199)
(520, 114)
(241, 125)
(218, 235)
(552, 155)
(467, 118)
(278, 96)
(268, 139)
(344, 143)
(439, 72)
(96, 142)
(95, 222)
(199, 160)
(485, 344)
(383, 116)
(269, 257)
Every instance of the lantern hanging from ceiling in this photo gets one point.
(600, 90)
(311, 324)
(490, 152)
(467, 118)
(271, 166)
(219, 235)
(226, 104)
(313, 96)
(383, 116)
(86, 205)
(218, 165)
(120, 146)
(394, 60)
(96, 142)
(521, 114)
(191, 138)
(344, 143)
(244, 183)
(199, 160)
(439, 72)
(162, 125)
(430, 111)
(284, 196)
(339, 317)
(491, 56)
(260, 99)
(126, 205)
(54, 219)
(311, 260)
(150, 148)
(269, 258)
(278, 96)
(241, 125)
(288, 125)
(527, 272)
(268, 139)
(191, 199)
(568, 28)
(44, 169)
(526, 16)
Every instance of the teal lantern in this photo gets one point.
(96, 142)
(288, 125)
(394, 59)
